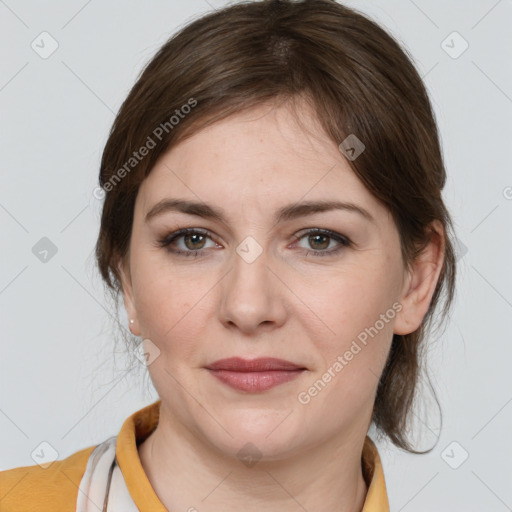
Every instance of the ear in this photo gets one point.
(128, 297)
(420, 283)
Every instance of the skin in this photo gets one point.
(286, 304)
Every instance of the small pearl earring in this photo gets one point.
(132, 320)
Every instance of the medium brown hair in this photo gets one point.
(358, 80)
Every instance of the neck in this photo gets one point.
(188, 474)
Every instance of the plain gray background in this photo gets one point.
(60, 382)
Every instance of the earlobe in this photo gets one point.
(421, 282)
(128, 299)
(402, 325)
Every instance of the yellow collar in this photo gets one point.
(140, 424)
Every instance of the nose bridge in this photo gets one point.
(250, 294)
(250, 273)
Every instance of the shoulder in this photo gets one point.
(52, 488)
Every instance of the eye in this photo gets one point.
(320, 239)
(194, 239)
(193, 242)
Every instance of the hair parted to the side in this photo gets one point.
(357, 79)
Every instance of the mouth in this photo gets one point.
(254, 375)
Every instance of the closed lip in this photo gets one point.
(262, 364)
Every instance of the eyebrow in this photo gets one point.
(285, 213)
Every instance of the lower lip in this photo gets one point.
(254, 382)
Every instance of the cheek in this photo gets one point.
(352, 301)
(169, 306)
(357, 308)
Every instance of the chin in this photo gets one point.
(255, 436)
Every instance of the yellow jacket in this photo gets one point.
(56, 487)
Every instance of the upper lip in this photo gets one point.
(262, 364)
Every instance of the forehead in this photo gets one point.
(263, 157)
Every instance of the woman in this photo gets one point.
(274, 223)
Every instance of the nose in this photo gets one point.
(253, 297)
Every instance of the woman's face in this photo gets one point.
(254, 284)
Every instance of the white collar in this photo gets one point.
(102, 487)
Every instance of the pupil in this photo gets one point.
(192, 236)
(312, 237)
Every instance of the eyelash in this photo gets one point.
(169, 239)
